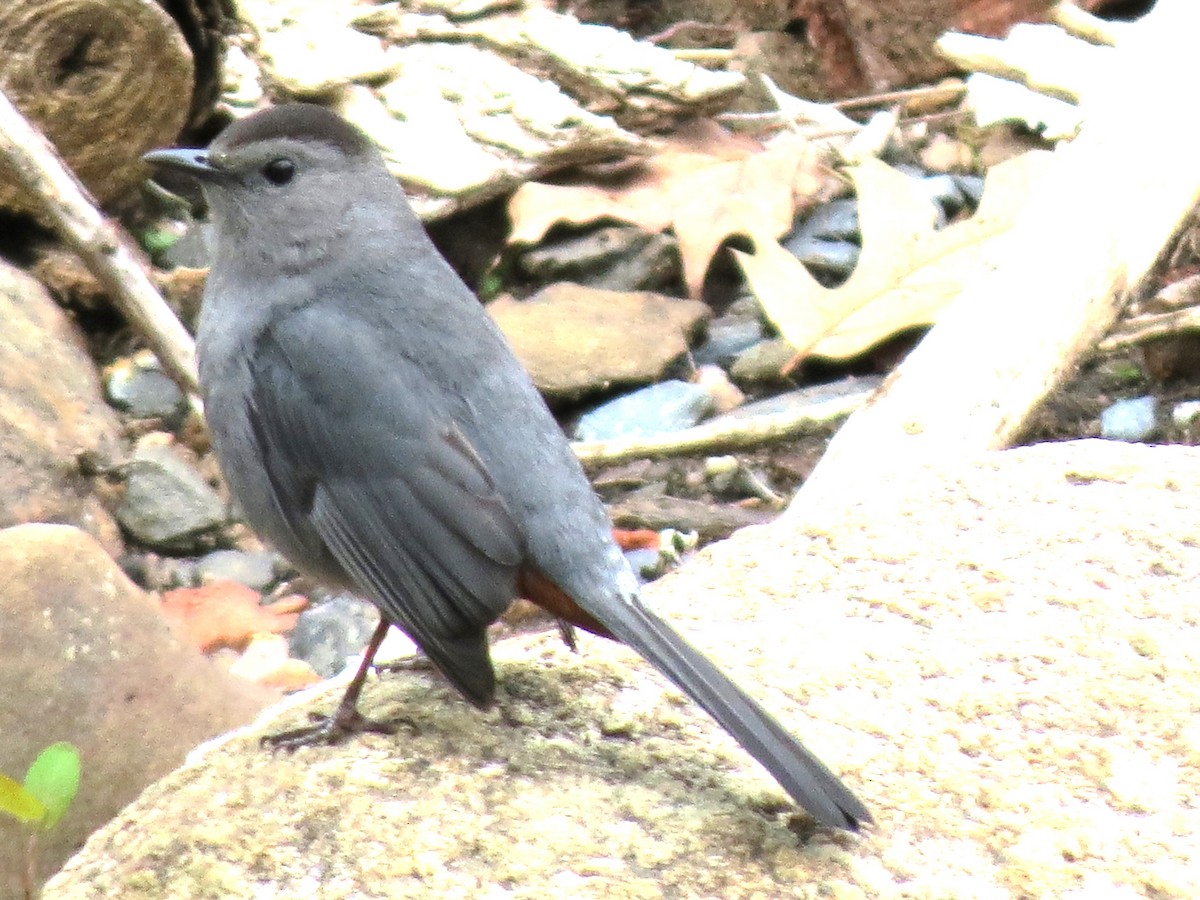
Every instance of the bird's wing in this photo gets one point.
(365, 449)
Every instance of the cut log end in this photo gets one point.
(105, 80)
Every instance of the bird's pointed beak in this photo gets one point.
(188, 162)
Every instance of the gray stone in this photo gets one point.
(971, 187)
(1131, 420)
(809, 398)
(836, 220)
(763, 364)
(613, 258)
(727, 337)
(86, 657)
(137, 386)
(944, 190)
(824, 257)
(167, 505)
(332, 631)
(659, 408)
(255, 570)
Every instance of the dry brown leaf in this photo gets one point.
(907, 272)
(706, 184)
(227, 614)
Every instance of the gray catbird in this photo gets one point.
(375, 426)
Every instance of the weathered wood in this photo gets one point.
(105, 80)
(468, 99)
(1073, 258)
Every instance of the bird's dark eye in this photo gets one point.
(279, 171)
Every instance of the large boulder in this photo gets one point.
(86, 657)
(52, 415)
(1001, 660)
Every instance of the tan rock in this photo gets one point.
(86, 657)
(576, 341)
(51, 412)
(1038, 743)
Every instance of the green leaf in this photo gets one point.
(18, 802)
(53, 779)
(157, 240)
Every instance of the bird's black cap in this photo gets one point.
(305, 122)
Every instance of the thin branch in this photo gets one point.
(32, 160)
(726, 433)
(1139, 330)
(951, 92)
(1084, 25)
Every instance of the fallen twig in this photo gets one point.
(1083, 24)
(929, 94)
(726, 433)
(1174, 309)
(32, 160)
(1136, 331)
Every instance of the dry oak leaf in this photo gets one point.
(907, 272)
(227, 614)
(705, 184)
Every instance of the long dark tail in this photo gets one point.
(800, 773)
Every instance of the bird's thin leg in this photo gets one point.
(346, 719)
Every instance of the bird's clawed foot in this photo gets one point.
(344, 723)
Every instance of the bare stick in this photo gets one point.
(1145, 328)
(947, 93)
(32, 160)
(723, 434)
(1083, 24)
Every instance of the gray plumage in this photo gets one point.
(375, 426)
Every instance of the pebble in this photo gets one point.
(330, 632)
(254, 570)
(810, 398)
(946, 154)
(762, 364)
(971, 187)
(136, 385)
(829, 258)
(167, 505)
(657, 409)
(727, 337)
(827, 240)
(1185, 413)
(945, 192)
(615, 258)
(1130, 420)
(578, 342)
(726, 395)
(836, 220)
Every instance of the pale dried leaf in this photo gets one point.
(907, 272)
(755, 195)
(706, 184)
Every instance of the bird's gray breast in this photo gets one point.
(229, 330)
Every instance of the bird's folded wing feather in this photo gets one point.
(367, 450)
